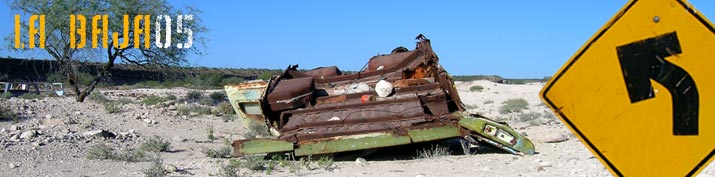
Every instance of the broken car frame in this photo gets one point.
(400, 98)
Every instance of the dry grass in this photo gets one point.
(112, 108)
(156, 144)
(104, 152)
(476, 88)
(7, 114)
(257, 130)
(156, 169)
(513, 105)
(153, 100)
(433, 151)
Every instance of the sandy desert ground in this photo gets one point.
(54, 134)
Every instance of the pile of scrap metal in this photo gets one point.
(19, 88)
(400, 98)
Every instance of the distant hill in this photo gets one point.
(499, 79)
(39, 70)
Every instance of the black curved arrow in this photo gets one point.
(644, 60)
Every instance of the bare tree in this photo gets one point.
(124, 43)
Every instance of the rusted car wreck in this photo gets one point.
(399, 98)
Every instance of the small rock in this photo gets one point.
(170, 168)
(125, 134)
(15, 127)
(543, 166)
(48, 116)
(12, 165)
(30, 112)
(38, 144)
(28, 134)
(172, 107)
(150, 121)
(179, 139)
(99, 133)
(78, 112)
(15, 137)
(553, 138)
(361, 161)
(69, 121)
(486, 169)
(420, 175)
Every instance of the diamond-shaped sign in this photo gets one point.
(640, 93)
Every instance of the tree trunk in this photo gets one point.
(105, 70)
(82, 95)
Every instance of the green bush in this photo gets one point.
(211, 135)
(476, 88)
(256, 130)
(305, 162)
(206, 101)
(100, 151)
(209, 80)
(104, 152)
(148, 84)
(225, 108)
(84, 78)
(98, 97)
(30, 96)
(56, 77)
(170, 97)
(194, 95)
(129, 155)
(326, 163)
(222, 152)
(513, 105)
(156, 144)
(7, 114)
(6, 95)
(112, 108)
(529, 116)
(265, 76)
(152, 100)
(124, 101)
(232, 169)
(255, 163)
(218, 96)
(232, 81)
(228, 117)
(156, 169)
(183, 110)
(201, 109)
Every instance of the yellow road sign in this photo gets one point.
(640, 93)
